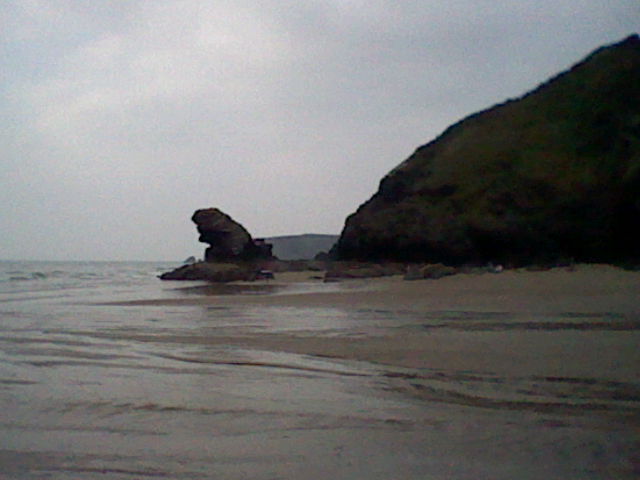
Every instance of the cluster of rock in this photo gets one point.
(552, 176)
(352, 270)
(215, 272)
(232, 255)
(430, 271)
(338, 270)
(228, 240)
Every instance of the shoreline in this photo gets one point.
(584, 288)
(578, 323)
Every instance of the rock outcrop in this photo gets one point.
(232, 254)
(213, 272)
(351, 270)
(227, 239)
(431, 271)
(552, 175)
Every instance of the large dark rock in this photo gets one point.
(352, 270)
(432, 271)
(232, 254)
(227, 239)
(213, 272)
(552, 175)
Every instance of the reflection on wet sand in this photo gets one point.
(292, 381)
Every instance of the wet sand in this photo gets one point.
(521, 375)
(562, 322)
(584, 288)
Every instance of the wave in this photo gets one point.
(37, 277)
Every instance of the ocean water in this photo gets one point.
(92, 388)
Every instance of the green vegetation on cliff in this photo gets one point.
(552, 175)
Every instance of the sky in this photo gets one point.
(121, 118)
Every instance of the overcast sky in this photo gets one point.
(120, 118)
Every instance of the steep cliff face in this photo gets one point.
(552, 175)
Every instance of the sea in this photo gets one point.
(93, 388)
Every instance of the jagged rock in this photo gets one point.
(232, 255)
(213, 272)
(552, 175)
(430, 271)
(228, 239)
(344, 270)
(295, 265)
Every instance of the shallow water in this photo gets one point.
(90, 390)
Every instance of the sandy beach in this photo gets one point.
(582, 288)
(562, 322)
(521, 374)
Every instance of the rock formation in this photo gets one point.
(232, 254)
(349, 270)
(213, 272)
(227, 239)
(552, 175)
(431, 271)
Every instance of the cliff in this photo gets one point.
(552, 175)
